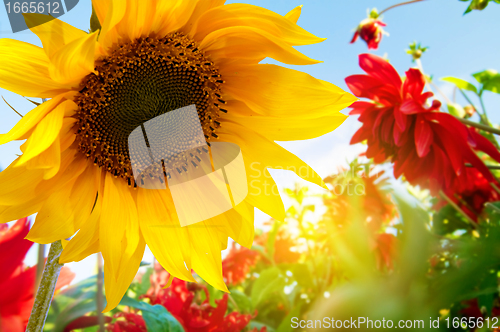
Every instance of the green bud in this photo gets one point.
(373, 13)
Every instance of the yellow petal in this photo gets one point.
(18, 184)
(71, 63)
(24, 70)
(251, 44)
(202, 6)
(86, 241)
(243, 15)
(110, 13)
(238, 223)
(22, 210)
(119, 224)
(53, 33)
(46, 132)
(263, 192)
(128, 267)
(84, 193)
(32, 118)
(206, 254)
(48, 160)
(176, 16)
(137, 20)
(67, 135)
(281, 92)
(288, 128)
(55, 220)
(294, 14)
(266, 154)
(21, 185)
(164, 235)
(72, 165)
(242, 230)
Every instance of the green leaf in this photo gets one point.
(460, 83)
(486, 300)
(285, 325)
(490, 79)
(242, 301)
(94, 21)
(485, 75)
(158, 319)
(269, 282)
(133, 303)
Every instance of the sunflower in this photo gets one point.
(148, 58)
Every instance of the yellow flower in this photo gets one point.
(75, 170)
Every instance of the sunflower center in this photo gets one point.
(136, 83)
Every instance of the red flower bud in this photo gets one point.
(370, 30)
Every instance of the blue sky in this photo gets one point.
(459, 45)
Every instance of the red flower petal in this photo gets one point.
(359, 107)
(483, 144)
(355, 37)
(423, 137)
(410, 106)
(379, 68)
(414, 85)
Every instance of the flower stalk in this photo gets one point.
(399, 4)
(479, 126)
(459, 210)
(46, 289)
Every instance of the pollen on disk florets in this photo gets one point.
(137, 82)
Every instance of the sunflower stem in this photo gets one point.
(399, 4)
(46, 289)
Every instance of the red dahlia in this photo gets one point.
(428, 147)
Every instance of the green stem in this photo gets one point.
(495, 187)
(484, 109)
(479, 126)
(489, 166)
(493, 207)
(459, 210)
(46, 290)
(466, 97)
(399, 4)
